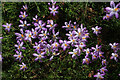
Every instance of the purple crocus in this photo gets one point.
(103, 69)
(28, 35)
(55, 35)
(18, 55)
(99, 76)
(1, 39)
(54, 53)
(0, 57)
(23, 66)
(75, 26)
(53, 10)
(114, 56)
(97, 49)
(7, 27)
(97, 30)
(108, 16)
(24, 24)
(19, 46)
(100, 54)
(94, 56)
(87, 51)
(70, 35)
(80, 46)
(67, 25)
(23, 15)
(55, 44)
(74, 53)
(51, 25)
(39, 56)
(40, 26)
(44, 34)
(113, 10)
(114, 46)
(86, 60)
(104, 62)
(64, 43)
(34, 33)
(36, 19)
(37, 47)
(72, 41)
(25, 7)
(20, 36)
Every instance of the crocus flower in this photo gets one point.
(72, 41)
(1, 39)
(99, 76)
(108, 16)
(74, 53)
(53, 54)
(7, 27)
(67, 25)
(19, 46)
(55, 35)
(40, 26)
(86, 60)
(113, 10)
(36, 19)
(44, 34)
(80, 46)
(23, 15)
(96, 30)
(55, 45)
(97, 49)
(100, 54)
(114, 46)
(23, 24)
(23, 66)
(37, 47)
(53, 10)
(103, 69)
(94, 56)
(39, 56)
(25, 7)
(28, 35)
(0, 58)
(74, 26)
(53, 3)
(114, 56)
(70, 35)
(79, 33)
(64, 45)
(20, 36)
(51, 25)
(87, 51)
(19, 55)
(103, 61)
(34, 33)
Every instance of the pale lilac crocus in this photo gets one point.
(7, 27)
(103, 69)
(67, 25)
(80, 46)
(44, 34)
(97, 30)
(24, 24)
(55, 45)
(19, 46)
(74, 53)
(23, 66)
(34, 33)
(97, 49)
(54, 54)
(18, 55)
(23, 15)
(86, 60)
(37, 47)
(20, 36)
(79, 33)
(53, 10)
(36, 19)
(64, 45)
(28, 35)
(72, 41)
(99, 76)
(25, 7)
(94, 56)
(70, 35)
(113, 10)
(0, 57)
(75, 26)
(114, 46)
(104, 62)
(55, 35)
(87, 51)
(40, 25)
(1, 39)
(114, 56)
(51, 25)
(108, 16)
(100, 55)
(39, 56)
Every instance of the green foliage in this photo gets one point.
(63, 66)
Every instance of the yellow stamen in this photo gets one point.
(74, 27)
(56, 45)
(116, 9)
(39, 56)
(19, 56)
(44, 34)
(22, 35)
(65, 44)
(79, 33)
(50, 25)
(8, 26)
(68, 26)
(54, 53)
(23, 16)
(54, 10)
(107, 16)
(38, 47)
(75, 53)
(83, 38)
(86, 34)
(29, 35)
(116, 55)
(96, 29)
(73, 40)
(18, 46)
(36, 20)
(40, 26)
